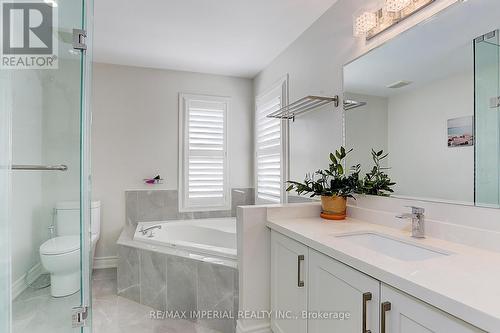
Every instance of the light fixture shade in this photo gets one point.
(396, 5)
(364, 23)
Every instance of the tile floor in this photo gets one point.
(37, 312)
(115, 314)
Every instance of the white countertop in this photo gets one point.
(465, 284)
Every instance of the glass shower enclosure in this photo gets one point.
(44, 160)
(487, 119)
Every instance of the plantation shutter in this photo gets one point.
(268, 144)
(204, 181)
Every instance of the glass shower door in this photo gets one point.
(5, 146)
(487, 120)
(44, 170)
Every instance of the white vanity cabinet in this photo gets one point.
(401, 313)
(334, 287)
(289, 261)
(304, 280)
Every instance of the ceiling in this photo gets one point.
(436, 49)
(227, 37)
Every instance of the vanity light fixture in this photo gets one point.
(371, 23)
(396, 5)
(364, 23)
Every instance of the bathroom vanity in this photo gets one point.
(432, 106)
(380, 277)
(428, 97)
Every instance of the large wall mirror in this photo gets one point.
(430, 98)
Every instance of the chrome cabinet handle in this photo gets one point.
(300, 282)
(385, 306)
(60, 167)
(366, 297)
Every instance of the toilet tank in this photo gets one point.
(68, 218)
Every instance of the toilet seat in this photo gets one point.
(60, 245)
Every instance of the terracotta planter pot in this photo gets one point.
(333, 208)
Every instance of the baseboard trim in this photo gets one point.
(105, 262)
(259, 328)
(20, 284)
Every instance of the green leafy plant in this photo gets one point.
(377, 182)
(334, 181)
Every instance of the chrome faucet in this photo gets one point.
(144, 231)
(417, 221)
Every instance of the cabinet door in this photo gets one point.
(289, 260)
(406, 314)
(336, 289)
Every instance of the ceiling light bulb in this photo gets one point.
(364, 23)
(396, 5)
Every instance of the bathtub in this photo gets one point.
(184, 261)
(214, 237)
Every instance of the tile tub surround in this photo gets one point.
(162, 205)
(169, 282)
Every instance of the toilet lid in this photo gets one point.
(60, 245)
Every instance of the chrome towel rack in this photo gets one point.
(350, 104)
(303, 105)
(60, 167)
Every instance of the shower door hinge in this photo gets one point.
(79, 37)
(79, 316)
(495, 102)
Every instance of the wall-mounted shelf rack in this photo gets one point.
(349, 104)
(153, 181)
(303, 105)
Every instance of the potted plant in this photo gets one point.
(377, 182)
(334, 185)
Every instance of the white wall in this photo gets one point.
(5, 161)
(26, 230)
(135, 134)
(45, 130)
(412, 127)
(314, 63)
(61, 133)
(366, 129)
(421, 163)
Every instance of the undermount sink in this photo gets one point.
(393, 247)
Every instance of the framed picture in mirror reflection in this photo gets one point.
(461, 131)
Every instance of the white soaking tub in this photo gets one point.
(196, 259)
(213, 237)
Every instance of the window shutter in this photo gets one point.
(268, 150)
(205, 153)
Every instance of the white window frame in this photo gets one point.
(279, 87)
(184, 205)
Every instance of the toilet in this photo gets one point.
(60, 255)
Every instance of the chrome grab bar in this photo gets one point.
(60, 167)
